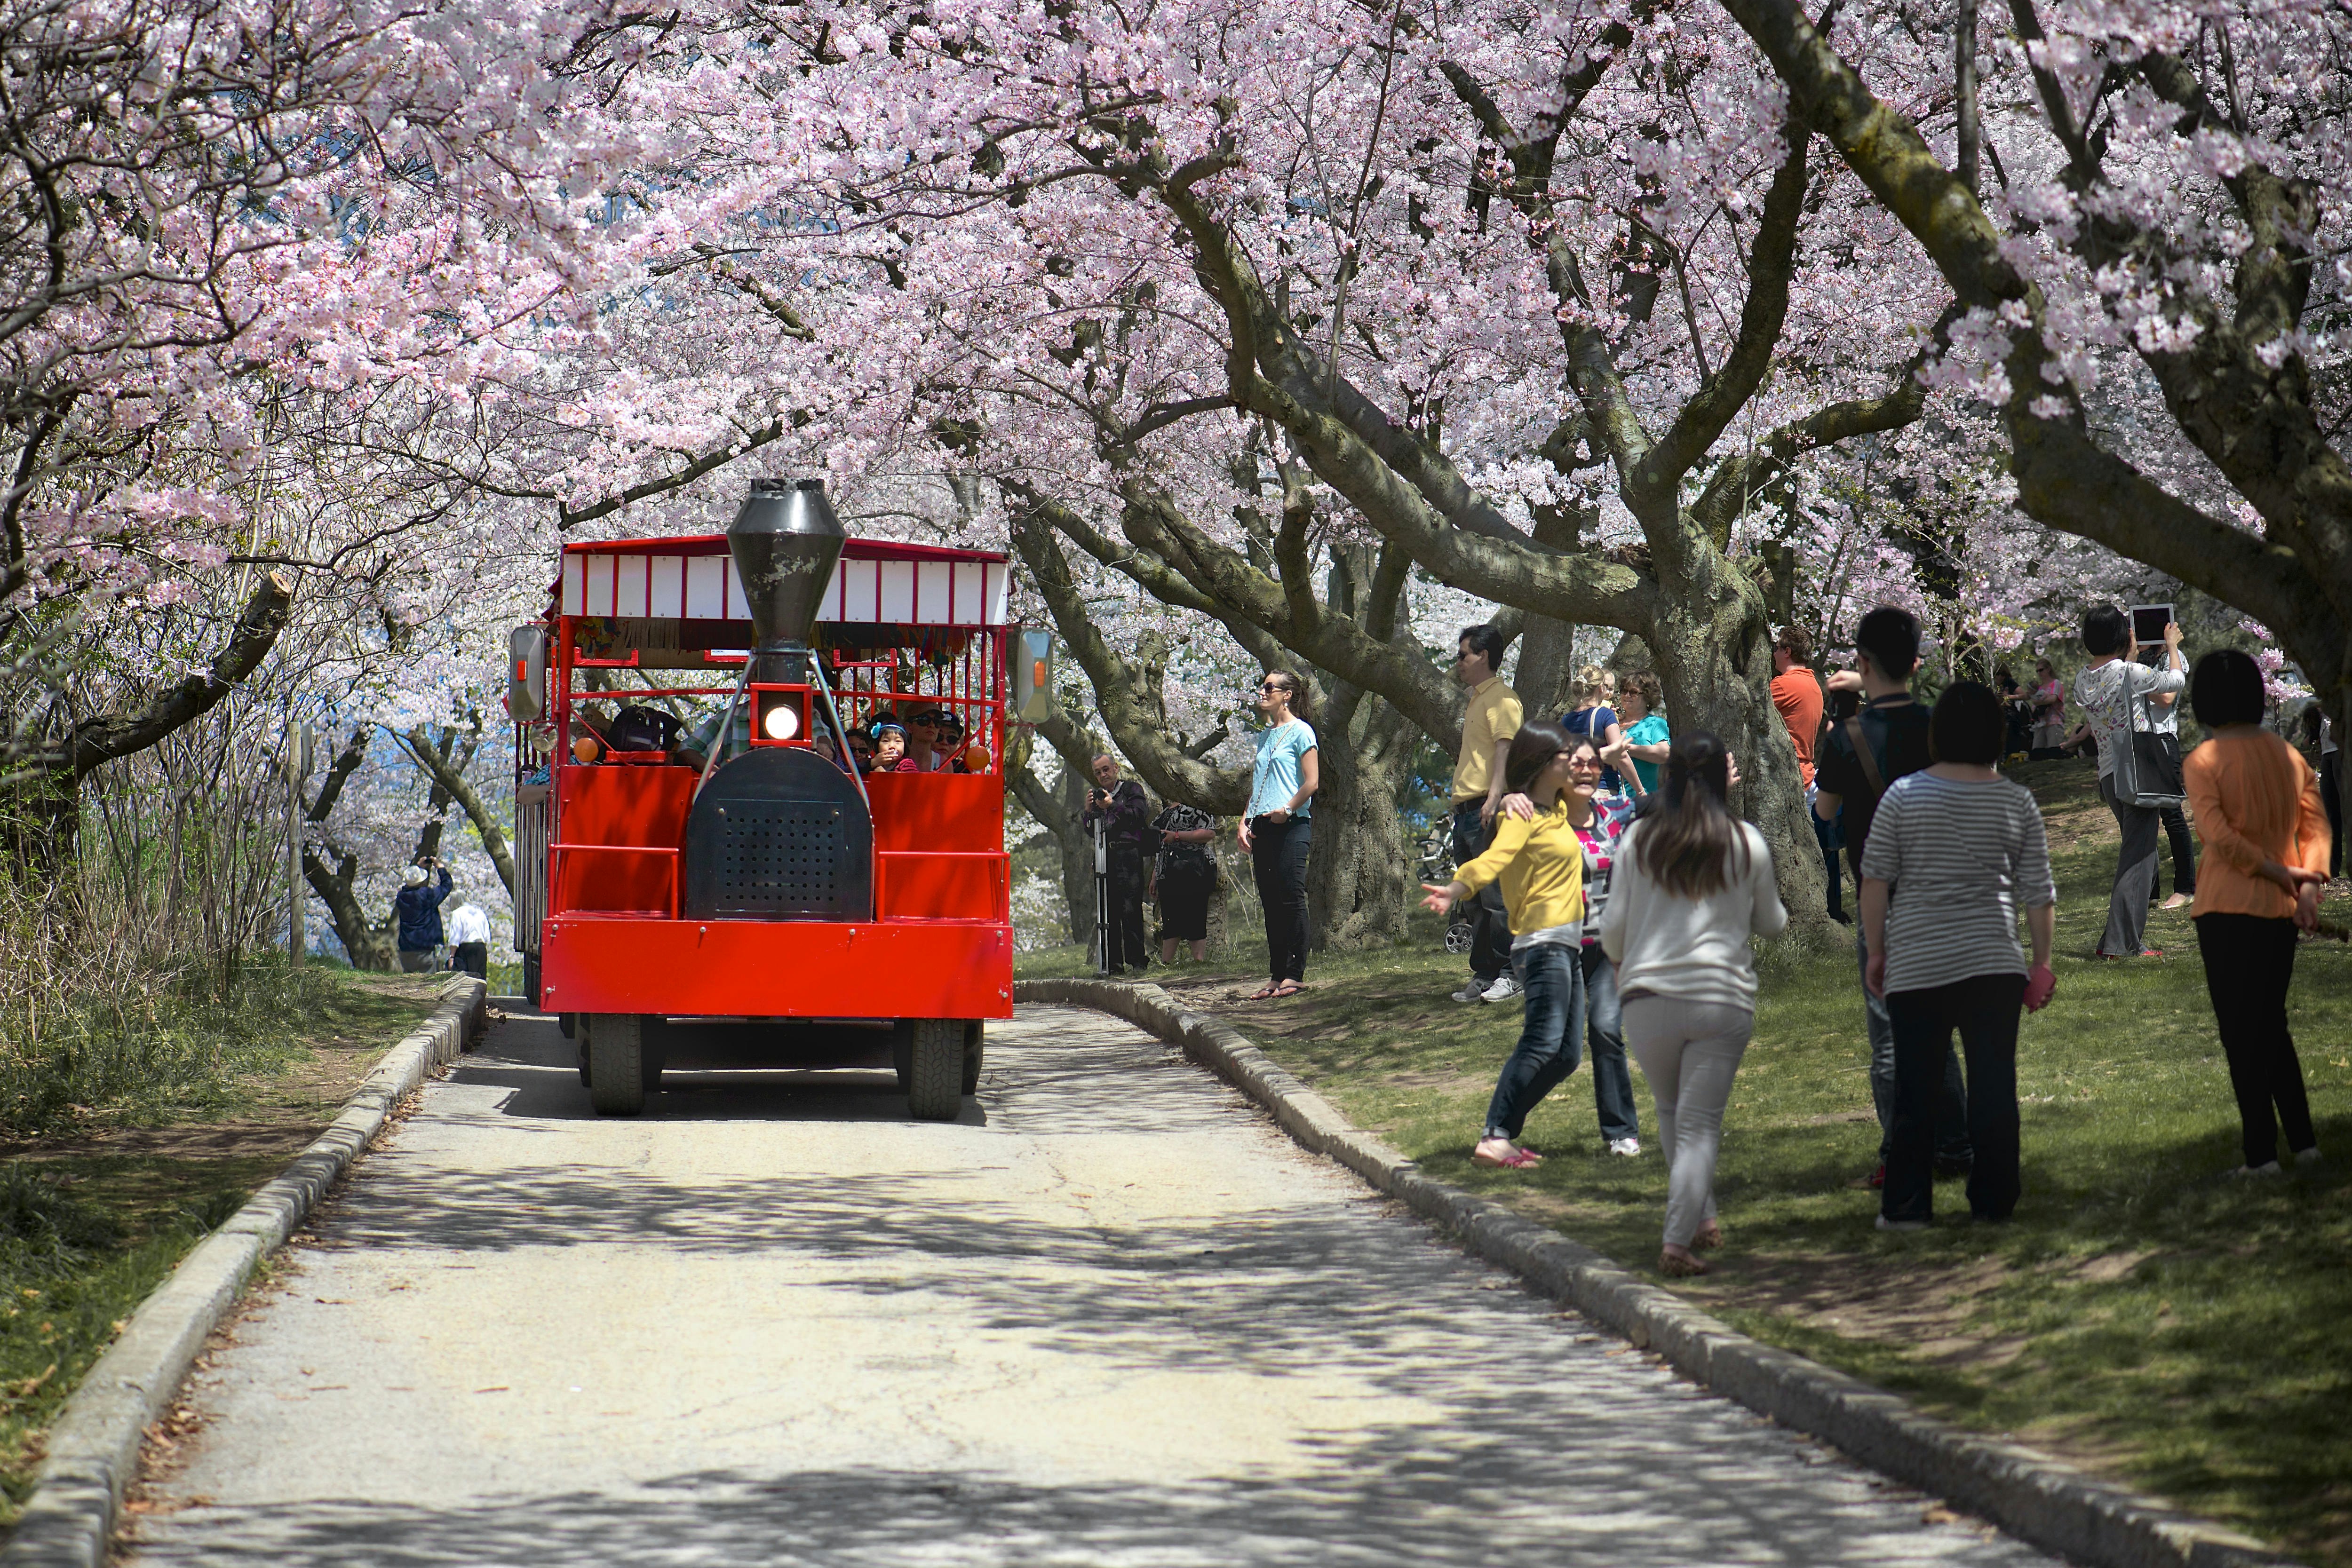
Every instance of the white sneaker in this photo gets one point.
(1626, 1146)
(1471, 990)
(2309, 1159)
(2268, 1169)
(1505, 987)
(1886, 1224)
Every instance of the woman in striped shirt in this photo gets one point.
(1954, 851)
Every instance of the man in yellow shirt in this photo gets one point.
(1487, 729)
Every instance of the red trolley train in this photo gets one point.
(839, 913)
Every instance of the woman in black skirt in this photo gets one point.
(1183, 877)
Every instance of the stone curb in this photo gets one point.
(2027, 1493)
(93, 1448)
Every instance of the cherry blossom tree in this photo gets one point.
(2155, 282)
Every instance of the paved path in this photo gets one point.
(1112, 1317)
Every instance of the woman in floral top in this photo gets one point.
(1183, 875)
(1599, 821)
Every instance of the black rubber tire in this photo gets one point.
(935, 1085)
(616, 1083)
(975, 1043)
(530, 979)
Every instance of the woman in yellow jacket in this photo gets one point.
(1540, 863)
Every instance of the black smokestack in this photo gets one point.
(785, 541)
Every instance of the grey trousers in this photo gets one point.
(2141, 828)
(1689, 1051)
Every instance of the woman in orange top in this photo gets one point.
(2257, 807)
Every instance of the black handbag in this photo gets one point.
(2148, 764)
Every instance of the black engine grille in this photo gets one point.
(779, 857)
(780, 834)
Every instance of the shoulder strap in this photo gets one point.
(1863, 755)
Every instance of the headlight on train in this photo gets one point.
(782, 722)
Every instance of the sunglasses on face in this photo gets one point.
(1585, 764)
(1271, 687)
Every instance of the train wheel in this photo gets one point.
(974, 1043)
(935, 1086)
(616, 1083)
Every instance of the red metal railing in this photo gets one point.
(1000, 880)
(555, 878)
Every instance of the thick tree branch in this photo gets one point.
(2065, 478)
(1135, 728)
(105, 736)
(451, 778)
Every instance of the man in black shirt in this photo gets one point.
(1126, 814)
(1893, 728)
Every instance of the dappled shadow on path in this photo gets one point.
(1432, 1411)
(1401, 1505)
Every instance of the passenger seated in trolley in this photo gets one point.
(890, 747)
(594, 743)
(951, 743)
(922, 741)
(960, 758)
(695, 749)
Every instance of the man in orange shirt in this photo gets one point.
(1796, 693)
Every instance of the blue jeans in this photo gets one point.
(1604, 1029)
(1490, 941)
(1951, 1116)
(1551, 1040)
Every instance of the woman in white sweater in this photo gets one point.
(1693, 884)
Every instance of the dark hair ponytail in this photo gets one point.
(1690, 848)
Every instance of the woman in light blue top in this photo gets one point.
(1276, 831)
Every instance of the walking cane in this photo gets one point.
(1102, 894)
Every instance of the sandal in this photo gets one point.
(1709, 1237)
(1510, 1158)
(1262, 994)
(1288, 988)
(1680, 1266)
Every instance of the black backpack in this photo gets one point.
(638, 728)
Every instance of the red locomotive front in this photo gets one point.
(696, 850)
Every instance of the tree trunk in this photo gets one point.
(448, 773)
(1716, 662)
(1359, 873)
(1059, 815)
(368, 946)
(1545, 677)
